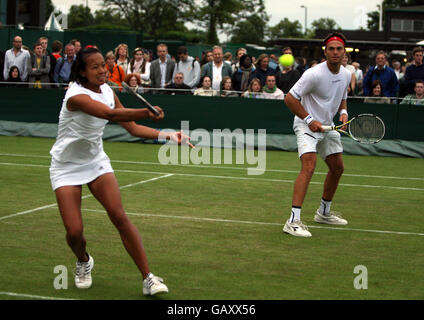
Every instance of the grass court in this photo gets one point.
(214, 232)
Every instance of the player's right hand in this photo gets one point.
(155, 117)
(316, 126)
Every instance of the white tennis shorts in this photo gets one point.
(325, 143)
(69, 174)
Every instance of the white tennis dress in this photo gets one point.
(77, 155)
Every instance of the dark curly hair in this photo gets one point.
(80, 65)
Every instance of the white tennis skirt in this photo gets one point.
(70, 174)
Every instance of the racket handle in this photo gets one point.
(328, 128)
(153, 109)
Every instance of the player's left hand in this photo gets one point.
(155, 117)
(343, 119)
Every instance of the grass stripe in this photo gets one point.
(83, 197)
(31, 296)
(258, 223)
(230, 168)
(236, 178)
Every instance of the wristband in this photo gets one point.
(308, 119)
(343, 111)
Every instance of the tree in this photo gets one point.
(214, 14)
(79, 16)
(222, 15)
(253, 28)
(373, 22)
(109, 16)
(250, 30)
(153, 17)
(325, 24)
(286, 29)
(322, 24)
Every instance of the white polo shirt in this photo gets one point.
(322, 91)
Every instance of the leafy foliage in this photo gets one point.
(286, 29)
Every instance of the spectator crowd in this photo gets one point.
(215, 73)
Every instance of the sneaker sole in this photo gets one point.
(318, 219)
(288, 231)
(146, 292)
(84, 286)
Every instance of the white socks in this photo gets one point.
(295, 213)
(324, 207)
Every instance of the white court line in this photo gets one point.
(83, 197)
(258, 223)
(232, 177)
(228, 167)
(31, 296)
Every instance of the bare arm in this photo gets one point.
(296, 107)
(141, 131)
(95, 108)
(135, 129)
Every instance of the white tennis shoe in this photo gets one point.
(153, 285)
(296, 228)
(83, 273)
(331, 219)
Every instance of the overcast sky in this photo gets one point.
(348, 14)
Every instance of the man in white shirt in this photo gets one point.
(315, 99)
(16, 57)
(161, 69)
(217, 69)
(218, 61)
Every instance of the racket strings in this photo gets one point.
(367, 129)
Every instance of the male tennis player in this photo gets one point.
(315, 99)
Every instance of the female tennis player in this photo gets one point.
(78, 158)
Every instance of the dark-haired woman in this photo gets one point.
(376, 94)
(14, 78)
(139, 64)
(78, 158)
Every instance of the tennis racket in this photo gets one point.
(365, 128)
(139, 98)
